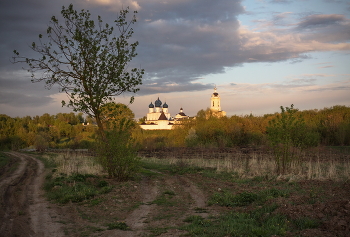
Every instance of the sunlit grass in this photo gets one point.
(260, 165)
(74, 163)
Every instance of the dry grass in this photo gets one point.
(75, 163)
(263, 165)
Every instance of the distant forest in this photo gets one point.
(325, 127)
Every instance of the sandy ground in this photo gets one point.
(25, 212)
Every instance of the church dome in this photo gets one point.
(151, 105)
(158, 103)
(165, 105)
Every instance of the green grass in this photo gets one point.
(229, 199)
(177, 168)
(156, 231)
(48, 160)
(305, 223)
(165, 199)
(237, 224)
(118, 225)
(75, 188)
(4, 160)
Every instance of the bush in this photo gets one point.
(288, 136)
(117, 155)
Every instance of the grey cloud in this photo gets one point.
(320, 20)
(168, 88)
(22, 100)
(180, 42)
(333, 88)
(280, 1)
(203, 11)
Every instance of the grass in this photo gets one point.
(258, 166)
(156, 231)
(229, 199)
(4, 160)
(236, 224)
(305, 223)
(117, 225)
(73, 163)
(165, 199)
(75, 188)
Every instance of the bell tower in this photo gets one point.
(215, 101)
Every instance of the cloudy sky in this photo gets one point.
(260, 54)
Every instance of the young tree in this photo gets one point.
(288, 136)
(86, 60)
(117, 116)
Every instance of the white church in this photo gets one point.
(159, 118)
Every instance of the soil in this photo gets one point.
(24, 211)
(156, 204)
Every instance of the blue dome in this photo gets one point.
(165, 105)
(151, 105)
(158, 103)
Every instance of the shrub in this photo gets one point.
(288, 135)
(117, 155)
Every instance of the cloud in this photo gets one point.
(280, 1)
(180, 42)
(321, 20)
(21, 100)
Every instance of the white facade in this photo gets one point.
(158, 117)
(215, 104)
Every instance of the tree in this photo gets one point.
(288, 136)
(117, 116)
(86, 60)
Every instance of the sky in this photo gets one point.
(260, 54)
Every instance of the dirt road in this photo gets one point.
(24, 211)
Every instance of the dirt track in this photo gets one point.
(155, 205)
(24, 211)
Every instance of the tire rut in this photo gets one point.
(136, 220)
(24, 211)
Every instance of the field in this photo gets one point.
(236, 193)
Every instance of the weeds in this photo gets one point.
(246, 198)
(4, 160)
(156, 231)
(165, 199)
(236, 224)
(75, 188)
(305, 223)
(118, 225)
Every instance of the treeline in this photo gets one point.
(328, 127)
(63, 130)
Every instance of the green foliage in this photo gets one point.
(118, 225)
(237, 224)
(117, 116)
(329, 126)
(156, 231)
(229, 200)
(305, 223)
(86, 60)
(288, 135)
(117, 155)
(74, 188)
(165, 199)
(4, 160)
(245, 198)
